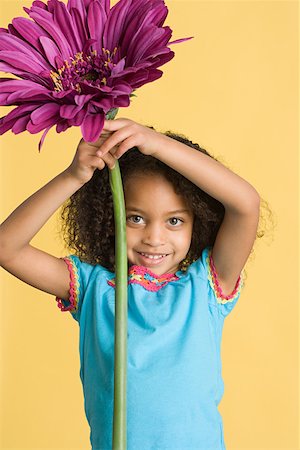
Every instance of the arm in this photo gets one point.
(31, 265)
(235, 193)
(237, 232)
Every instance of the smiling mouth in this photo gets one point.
(150, 255)
(153, 257)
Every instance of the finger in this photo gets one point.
(109, 160)
(97, 163)
(116, 124)
(102, 138)
(112, 143)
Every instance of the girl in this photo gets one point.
(191, 225)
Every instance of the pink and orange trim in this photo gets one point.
(74, 288)
(146, 278)
(215, 284)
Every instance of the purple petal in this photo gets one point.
(19, 111)
(88, 44)
(33, 129)
(106, 104)
(137, 18)
(10, 84)
(143, 42)
(45, 20)
(119, 67)
(12, 43)
(78, 119)
(92, 126)
(163, 59)
(106, 6)
(37, 79)
(21, 61)
(43, 137)
(20, 124)
(181, 40)
(63, 125)
(62, 94)
(44, 113)
(114, 25)
(121, 101)
(79, 24)
(142, 77)
(96, 19)
(9, 120)
(30, 31)
(51, 50)
(39, 4)
(156, 36)
(59, 62)
(155, 51)
(76, 4)
(81, 100)
(158, 15)
(64, 21)
(83, 5)
(4, 127)
(32, 95)
(69, 111)
(161, 41)
(121, 88)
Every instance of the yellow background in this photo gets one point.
(234, 90)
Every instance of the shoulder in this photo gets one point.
(203, 268)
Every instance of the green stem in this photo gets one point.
(121, 311)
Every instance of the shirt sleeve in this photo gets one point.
(224, 302)
(73, 303)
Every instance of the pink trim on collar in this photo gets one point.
(145, 277)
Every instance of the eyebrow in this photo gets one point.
(178, 211)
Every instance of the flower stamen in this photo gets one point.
(89, 68)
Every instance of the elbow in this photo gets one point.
(245, 203)
(252, 203)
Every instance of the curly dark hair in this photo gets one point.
(88, 218)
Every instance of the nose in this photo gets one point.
(154, 235)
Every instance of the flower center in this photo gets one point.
(90, 68)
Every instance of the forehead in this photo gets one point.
(152, 192)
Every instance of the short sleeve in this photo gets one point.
(224, 302)
(73, 303)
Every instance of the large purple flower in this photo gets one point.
(80, 61)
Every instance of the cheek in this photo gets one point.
(188, 238)
(183, 240)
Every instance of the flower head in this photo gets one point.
(77, 63)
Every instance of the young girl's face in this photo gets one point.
(159, 223)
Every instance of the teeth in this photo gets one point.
(153, 256)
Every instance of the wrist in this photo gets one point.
(71, 179)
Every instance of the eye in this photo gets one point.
(176, 219)
(134, 217)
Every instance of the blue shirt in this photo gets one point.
(174, 380)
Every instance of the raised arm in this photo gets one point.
(31, 265)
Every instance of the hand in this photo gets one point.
(86, 161)
(125, 134)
